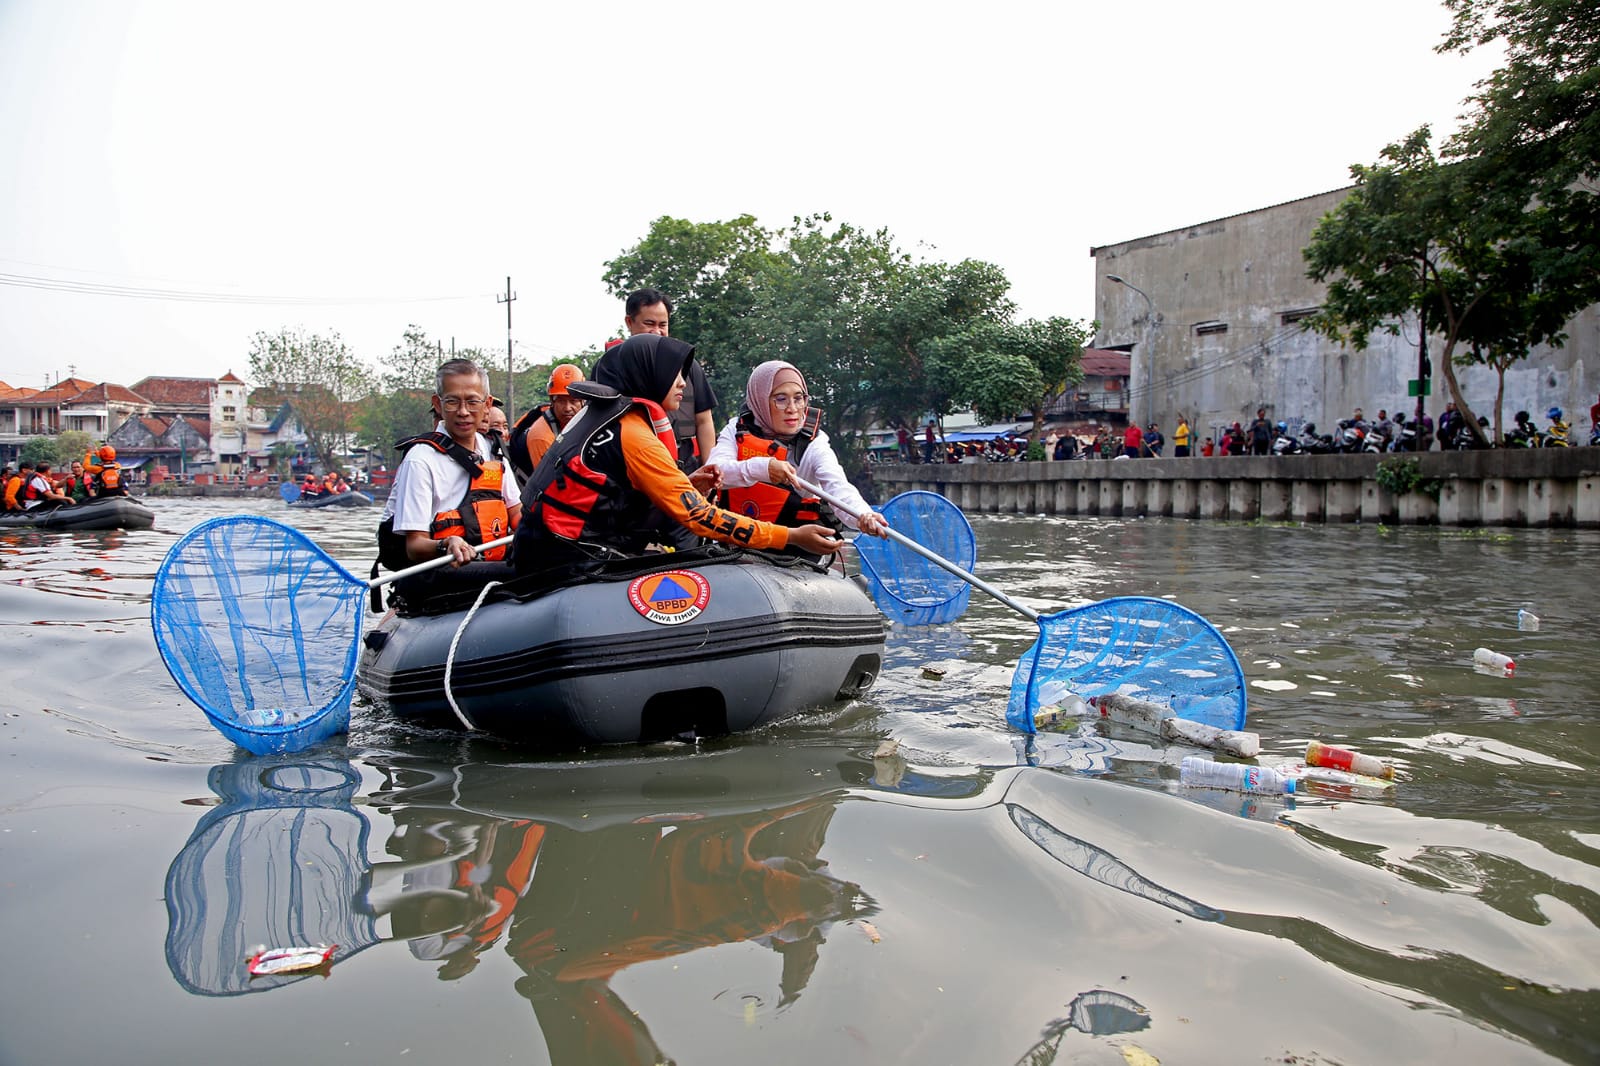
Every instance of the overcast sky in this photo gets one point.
(383, 164)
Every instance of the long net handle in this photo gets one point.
(928, 554)
(431, 564)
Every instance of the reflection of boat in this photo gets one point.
(707, 641)
(688, 852)
(102, 512)
(333, 499)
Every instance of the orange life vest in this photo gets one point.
(779, 504)
(111, 479)
(481, 515)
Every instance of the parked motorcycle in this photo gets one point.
(1523, 433)
(1559, 435)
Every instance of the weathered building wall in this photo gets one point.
(1246, 272)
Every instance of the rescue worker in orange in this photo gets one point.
(532, 435)
(777, 437)
(102, 465)
(448, 496)
(310, 486)
(14, 484)
(611, 485)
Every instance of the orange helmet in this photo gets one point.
(107, 453)
(561, 377)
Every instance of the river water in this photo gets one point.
(786, 897)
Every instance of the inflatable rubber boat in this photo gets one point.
(102, 512)
(702, 642)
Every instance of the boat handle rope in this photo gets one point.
(450, 658)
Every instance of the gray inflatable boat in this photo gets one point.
(703, 642)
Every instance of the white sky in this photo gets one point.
(365, 153)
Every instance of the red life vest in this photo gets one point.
(481, 515)
(31, 491)
(774, 503)
(581, 491)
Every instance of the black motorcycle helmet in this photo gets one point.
(1522, 417)
(1309, 427)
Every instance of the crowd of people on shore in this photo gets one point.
(623, 462)
(1357, 433)
(33, 485)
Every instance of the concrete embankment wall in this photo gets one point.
(1501, 487)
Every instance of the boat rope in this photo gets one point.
(450, 658)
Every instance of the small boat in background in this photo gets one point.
(102, 512)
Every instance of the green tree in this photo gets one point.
(39, 449)
(320, 376)
(282, 457)
(1418, 237)
(1001, 368)
(72, 444)
(711, 272)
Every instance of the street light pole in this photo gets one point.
(1149, 324)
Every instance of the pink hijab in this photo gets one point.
(758, 390)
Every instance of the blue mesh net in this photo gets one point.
(261, 629)
(906, 587)
(1146, 648)
(281, 861)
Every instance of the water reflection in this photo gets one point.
(580, 870)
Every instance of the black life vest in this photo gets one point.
(517, 449)
(581, 494)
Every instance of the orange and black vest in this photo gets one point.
(31, 490)
(581, 493)
(778, 504)
(109, 480)
(478, 518)
(517, 449)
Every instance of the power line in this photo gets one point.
(144, 292)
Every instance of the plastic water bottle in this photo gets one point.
(1233, 776)
(1526, 619)
(1320, 754)
(1493, 660)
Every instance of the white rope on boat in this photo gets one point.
(450, 658)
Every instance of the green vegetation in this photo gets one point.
(1401, 476)
(1492, 246)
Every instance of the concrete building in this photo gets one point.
(1212, 315)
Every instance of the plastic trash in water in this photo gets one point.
(271, 962)
(1233, 776)
(1493, 660)
(1320, 754)
(1526, 619)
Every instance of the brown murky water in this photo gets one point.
(785, 897)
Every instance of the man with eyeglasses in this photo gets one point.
(448, 494)
(649, 311)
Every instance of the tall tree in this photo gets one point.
(1001, 368)
(320, 377)
(1418, 237)
(709, 270)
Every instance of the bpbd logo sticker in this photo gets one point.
(671, 598)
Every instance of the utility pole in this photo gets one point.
(510, 386)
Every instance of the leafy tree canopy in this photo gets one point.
(320, 376)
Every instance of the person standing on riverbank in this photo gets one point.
(1132, 440)
(1180, 439)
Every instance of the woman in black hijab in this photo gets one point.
(611, 480)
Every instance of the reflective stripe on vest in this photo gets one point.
(481, 516)
(578, 500)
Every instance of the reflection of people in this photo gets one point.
(753, 877)
(447, 495)
(776, 438)
(611, 485)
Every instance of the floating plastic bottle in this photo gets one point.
(1233, 776)
(1320, 754)
(1493, 660)
(1526, 619)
